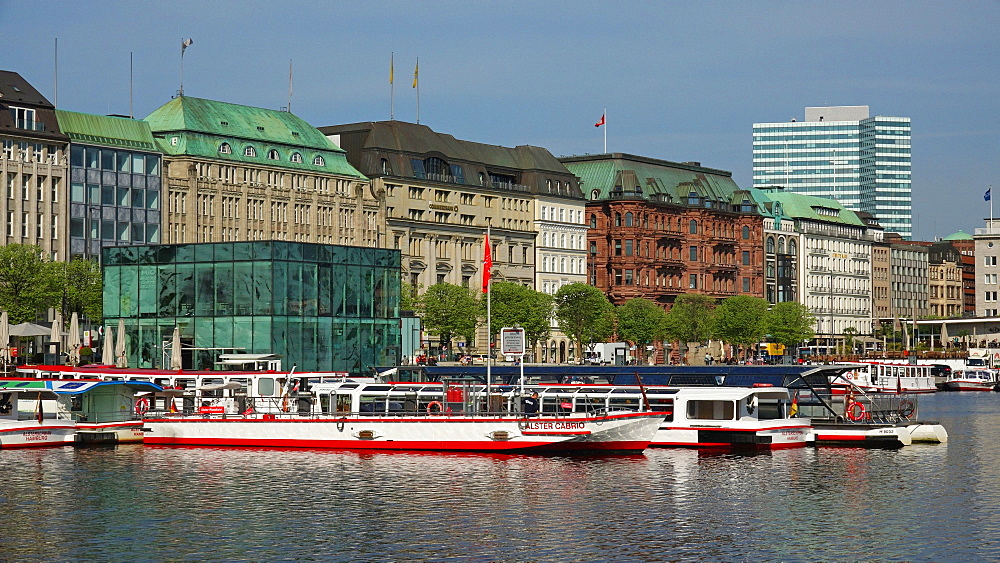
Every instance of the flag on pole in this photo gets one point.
(391, 57)
(986, 196)
(185, 44)
(416, 72)
(794, 410)
(487, 264)
(601, 121)
(39, 413)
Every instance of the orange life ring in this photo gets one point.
(142, 405)
(906, 408)
(855, 412)
(433, 404)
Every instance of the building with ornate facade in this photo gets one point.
(239, 173)
(660, 229)
(33, 169)
(908, 277)
(945, 297)
(781, 249)
(965, 244)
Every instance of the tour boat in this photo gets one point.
(66, 412)
(876, 377)
(971, 380)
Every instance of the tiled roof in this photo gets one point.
(120, 132)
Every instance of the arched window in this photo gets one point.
(595, 194)
(225, 148)
(296, 157)
(562, 266)
(562, 241)
(781, 245)
(618, 219)
(791, 247)
(746, 232)
(545, 239)
(273, 154)
(249, 151)
(385, 166)
(593, 221)
(435, 165)
(769, 245)
(545, 264)
(319, 161)
(693, 227)
(628, 219)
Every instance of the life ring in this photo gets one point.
(433, 404)
(142, 405)
(906, 408)
(855, 412)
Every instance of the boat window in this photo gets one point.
(630, 403)
(244, 384)
(666, 406)
(661, 391)
(769, 409)
(324, 403)
(211, 392)
(265, 387)
(711, 410)
(377, 388)
(343, 403)
(184, 383)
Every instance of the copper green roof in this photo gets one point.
(198, 127)
(958, 236)
(108, 131)
(604, 175)
(801, 206)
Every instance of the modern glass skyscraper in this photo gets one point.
(841, 152)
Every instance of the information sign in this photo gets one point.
(512, 341)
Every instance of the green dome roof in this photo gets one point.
(958, 236)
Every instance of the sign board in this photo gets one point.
(512, 341)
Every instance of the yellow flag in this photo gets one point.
(416, 71)
(390, 68)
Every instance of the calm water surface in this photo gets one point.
(134, 503)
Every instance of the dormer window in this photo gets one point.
(259, 128)
(225, 148)
(250, 151)
(296, 157)
(273, 154)
(319, 161)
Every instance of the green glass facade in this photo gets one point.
(323, 307)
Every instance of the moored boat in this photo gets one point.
(34, 428)
(971, 380)
(877, 377)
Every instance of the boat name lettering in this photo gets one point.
(556, 426)
(36, 435)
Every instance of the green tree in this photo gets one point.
(690, 319)
(790, 323)
(584, 314)
(849, 333)
(640, 321)
(409, 299)
(29, 282)
(448, 311)
(739, 320)
(515, 305)
(84, 292)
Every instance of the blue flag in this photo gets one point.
(986, 196)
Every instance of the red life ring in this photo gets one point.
(855, 412)
(433, 404)
(142, 405)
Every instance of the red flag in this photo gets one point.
(487, 264)
(601, 122)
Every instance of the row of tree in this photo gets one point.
(30, 284)
(584, 314)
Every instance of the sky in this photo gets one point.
(681, 81)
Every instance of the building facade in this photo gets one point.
(239, 173)
(322, 307)
(965, 244)
(781, 249)
(945, 297)
(115, 182)
(841, 152)
(908, 277)
(560, 257)
(660, 229)
(987, 251)
(33, 169)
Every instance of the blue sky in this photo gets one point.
(681, 81)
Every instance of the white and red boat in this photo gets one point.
(22, 428)
(877, 377)
(972, 380)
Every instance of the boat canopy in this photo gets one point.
(71, 386)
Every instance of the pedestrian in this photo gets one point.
(531, 405)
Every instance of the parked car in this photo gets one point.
(940, 370)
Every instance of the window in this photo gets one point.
(319, 161)
(628, 219)
(990, 260)
(746, 285)
(593, 221)
(249, 151)
(618, 219)
(225, 148)
(693, 227)
(628, 247)
(769, 245)
(746, 232)
(24, 118)
(693, 281)
(296, 157)
(746, 257)
(618, 248)
(711, 410)
(629, 277)
(693, 253)
(273, 154)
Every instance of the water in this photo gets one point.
(135, 503)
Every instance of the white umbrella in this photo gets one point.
(4, 337)
(944, 335)
(74, 339)
(175, 350)
(29, 329)
(120, 346)
(108, 347)
(55, 333)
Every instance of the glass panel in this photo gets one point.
(309, 290)
(76, 156)
(123, 232)
(139, 198)
(261, 293)
(129, 289)
(123, 199)
(243, 287)
(204, 289)
(138, 233)
(204, 253)
(167, 291)
(279, 287)
(138, 163)
(185, 290)
(152, 233)
(93, 157)
(242, 332)
(261, 343)
(243, 251)
(107, 195)
(124, 162)
(76, 228)
(152, 165)
(112, 291)
(224, 291)
(148, 293)
(324, 290)
(223, 252)
(94, 191)
(107, 159)
(107, 230)
(77, 193)
(294, 291)
(152, 199)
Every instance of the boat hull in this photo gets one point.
(860, 436)
(31, 434)
(734, 437)
(96, 433)
(618, 433)
(959, 385)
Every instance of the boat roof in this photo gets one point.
(70, 386)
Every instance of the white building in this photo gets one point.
(987, 271)
(841, 152)
(560, 255)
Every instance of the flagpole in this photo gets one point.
(181, 91)
(392, 88)
(605, 130)
(416, 84)
(289, 85)
(489, 327)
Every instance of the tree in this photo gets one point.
(739, 320)
(29, 282)
(640, 321)
(408, 296)
(584, 314)
(448, 311)
(849, 333)
(690, 319)
(515, 305)
(84, 293)
(790, 323)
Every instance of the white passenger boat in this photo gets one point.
(972, 380)
(47, 412)
(876, 377)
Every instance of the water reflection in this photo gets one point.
(925, 502)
